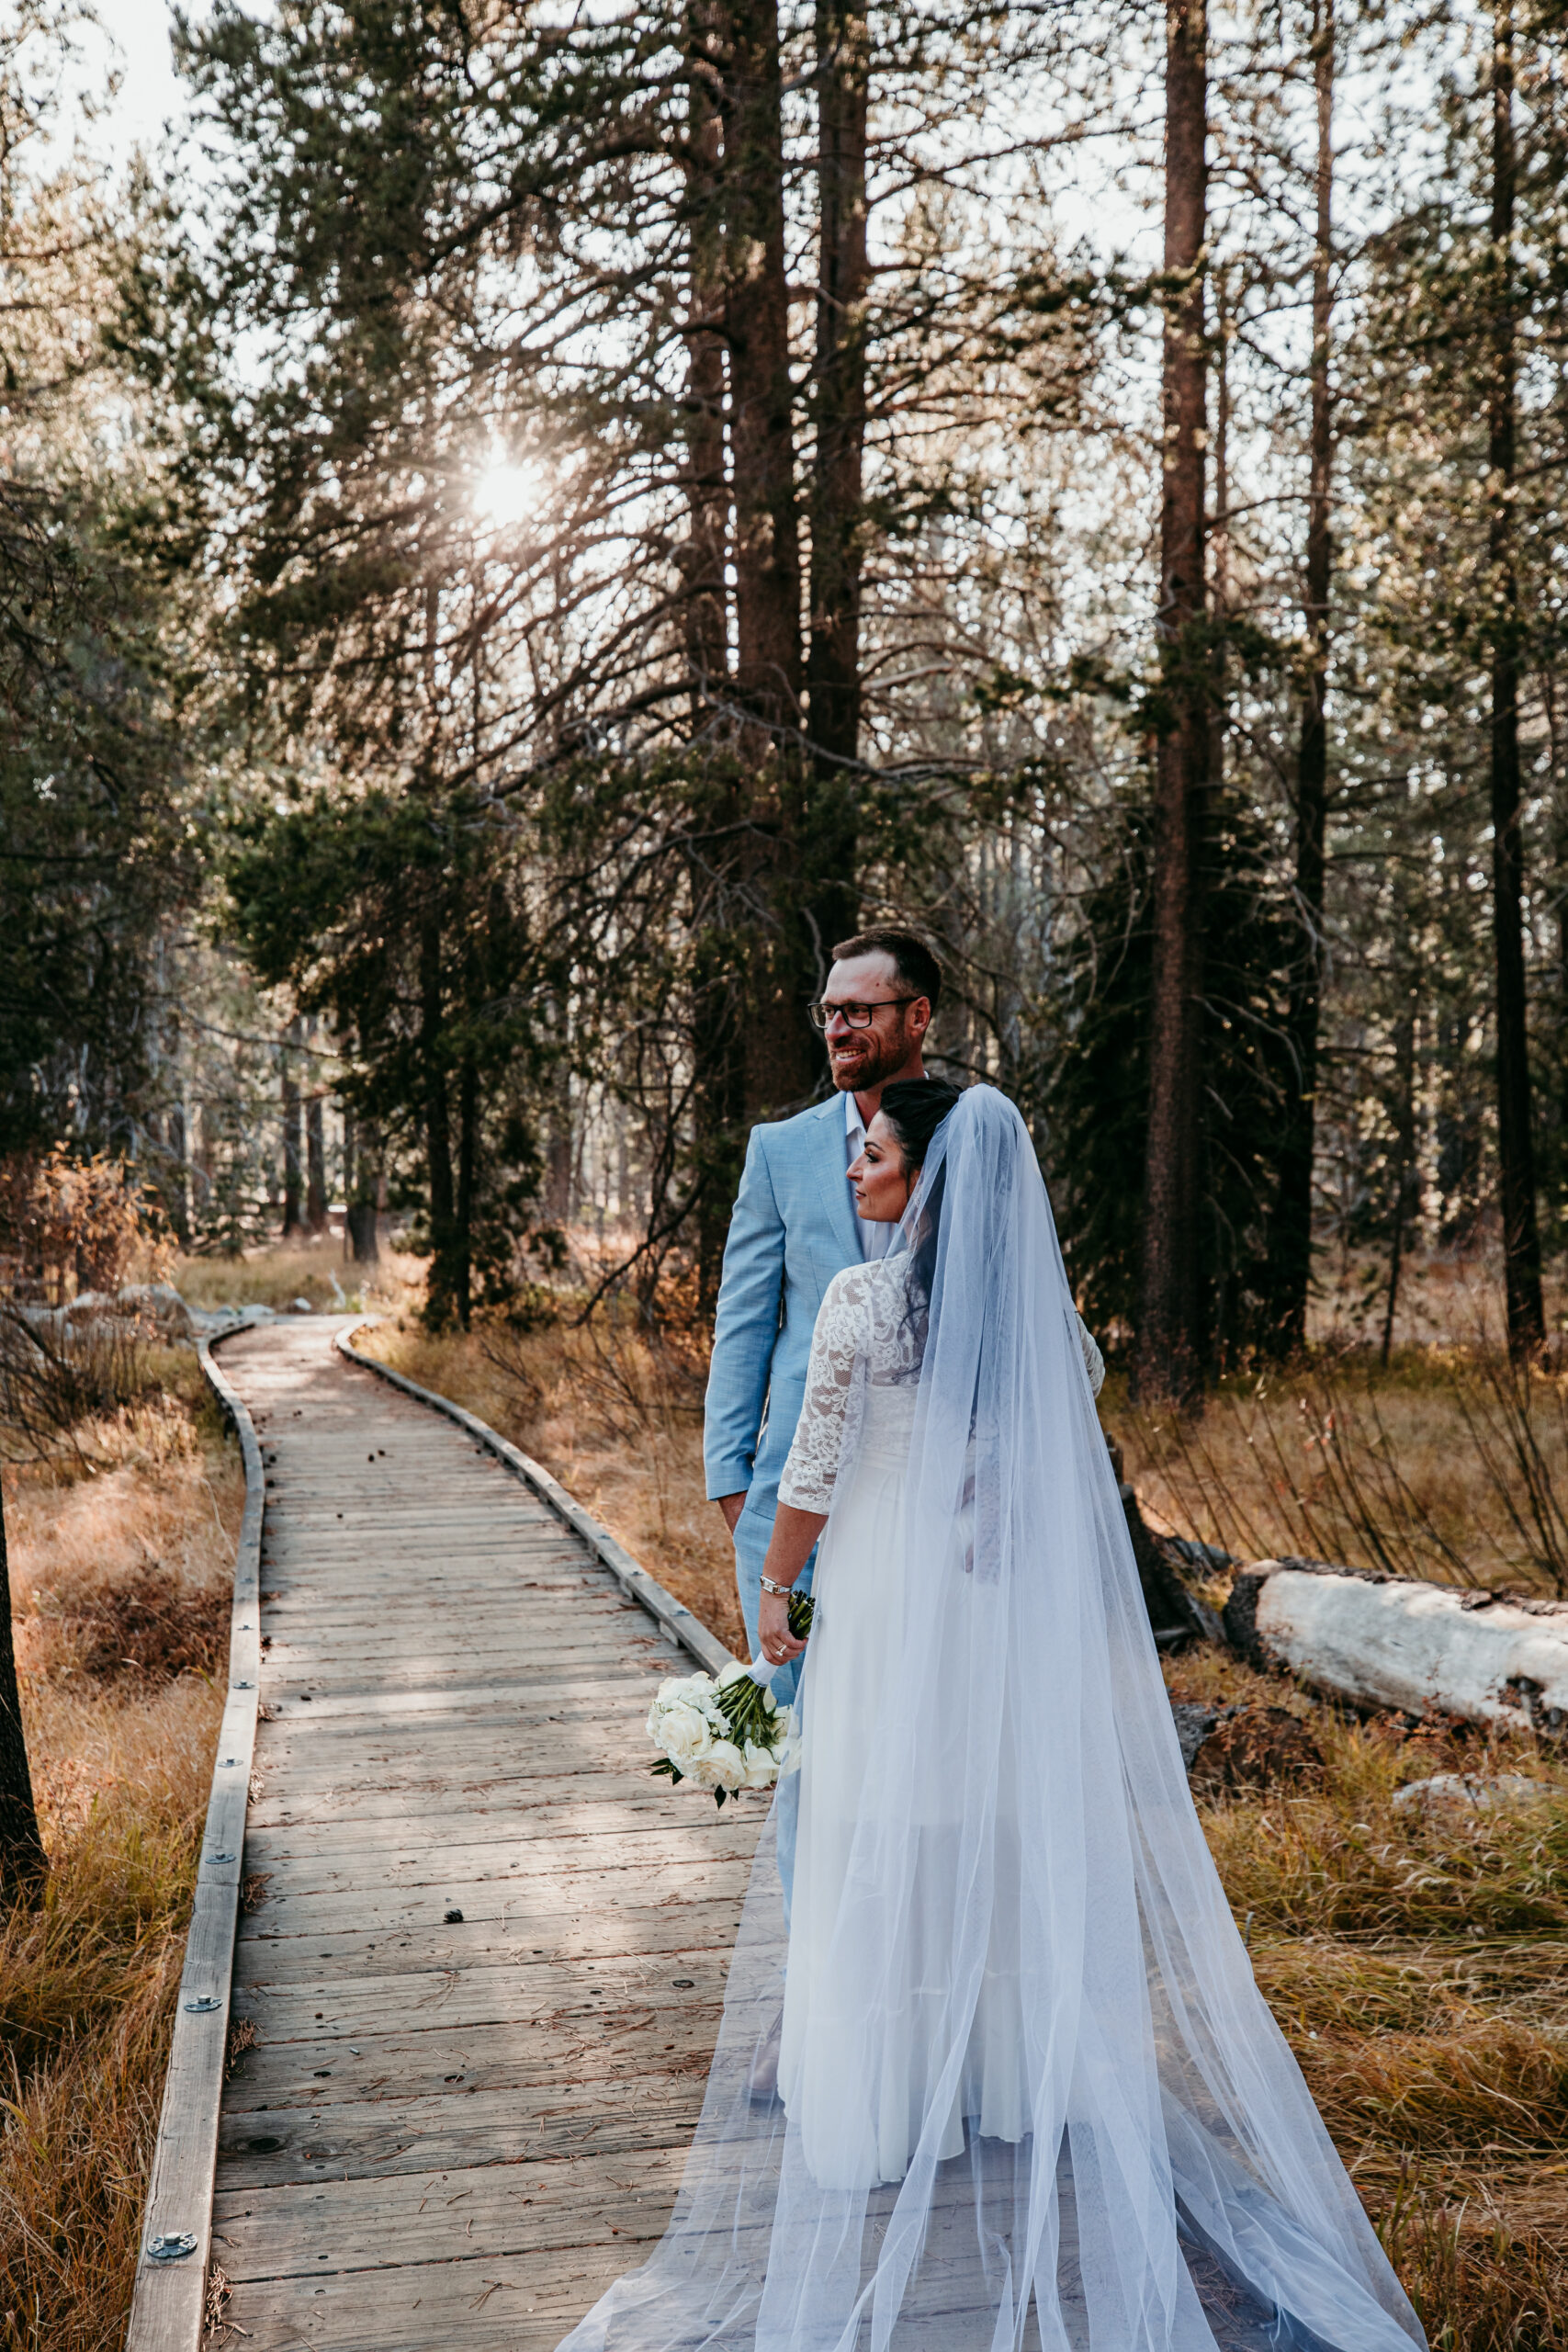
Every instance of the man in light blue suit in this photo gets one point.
(793, 1229)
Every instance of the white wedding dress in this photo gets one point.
(861, 1396)
(1031, 2099)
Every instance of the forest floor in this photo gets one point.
(121, 1564)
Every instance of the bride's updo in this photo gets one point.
(915, 1108)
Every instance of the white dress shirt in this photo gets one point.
(873, 1237)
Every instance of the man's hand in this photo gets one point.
(732, 1506)
(774, 1639)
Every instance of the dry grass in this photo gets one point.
(1418, 1964)
(1446, 1466)
(280, 1277)
(120, 1580)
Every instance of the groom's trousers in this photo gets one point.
(753, 1531)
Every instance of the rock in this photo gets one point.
(1472, 1792)
(1256, 1748)
(161, 1304)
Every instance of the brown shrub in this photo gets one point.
(1258, 1748)
(153, 1625)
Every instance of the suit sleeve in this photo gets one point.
(745, 1328)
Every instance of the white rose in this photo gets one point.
(728, 1765)
(733, 1672)
(762, 1771)
(684, 1736)
(702, 1772)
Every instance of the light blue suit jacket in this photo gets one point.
(793, 1229)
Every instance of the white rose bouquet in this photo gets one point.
(729, 1735)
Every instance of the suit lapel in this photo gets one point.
(831, 1163)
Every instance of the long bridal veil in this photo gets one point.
(1157, 2178)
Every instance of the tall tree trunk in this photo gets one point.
(703, 555)
(468, 1168)
(780, 1060)
(365, 1186)
(315, 1166)
(1521, 1237)
(767, 535)
(442, 1286)
(22, 1860)
(1292, 1245)
(293, 1140)
(177, 1189)
(1168, 1361)
(1405, 1164)
(843, 74)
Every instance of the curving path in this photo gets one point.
(451, 2131)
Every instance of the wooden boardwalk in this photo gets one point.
(451, 2131)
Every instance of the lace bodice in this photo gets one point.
(862, 1319)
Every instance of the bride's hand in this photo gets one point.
(774, 1639)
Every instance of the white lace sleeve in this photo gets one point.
(839, 1335)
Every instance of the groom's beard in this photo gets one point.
(870, 1058)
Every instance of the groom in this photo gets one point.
(793, 1229)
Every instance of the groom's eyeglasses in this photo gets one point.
(858, 1016)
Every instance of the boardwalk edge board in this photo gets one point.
(674, 1620)
(171, 2276)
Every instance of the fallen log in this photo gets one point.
(1388, 1641)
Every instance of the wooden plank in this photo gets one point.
(166, 2303)
(656, 2107)
(301, 1865)
(332, 2008)
(457, 2063)
(423, 1940)
(446, 2214)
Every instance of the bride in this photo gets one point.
(1028, 2093)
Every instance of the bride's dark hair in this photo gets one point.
(915, 1108)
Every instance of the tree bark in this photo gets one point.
(23, 1864)
(1521, 1236)
(762, 398)
(781, 1062)
(437, 1127)
(1294, 1214)
(293, 1141)
(364, 1188)
(1404, 1071)
(468, 1164)
(315, 1166)
(703, 555)
(833, 676)
(1168, 1361)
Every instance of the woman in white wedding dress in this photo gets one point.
(1028, 2092)
(867, 1346)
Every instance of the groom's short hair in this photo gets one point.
(914, 965)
